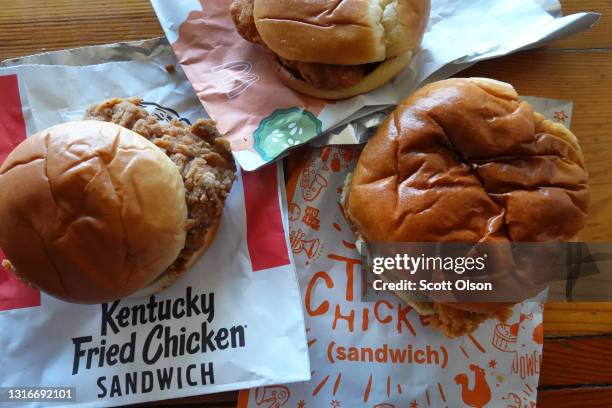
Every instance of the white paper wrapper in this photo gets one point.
(246, 275)
(382, 354)
(241, 92)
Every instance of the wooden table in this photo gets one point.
(577, 364)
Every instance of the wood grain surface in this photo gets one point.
(577, 371)
(33, 26)
(599, 37)
(577, 361)
(584, 397)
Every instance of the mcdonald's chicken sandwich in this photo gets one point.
(334, 49)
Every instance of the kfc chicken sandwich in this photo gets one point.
(93, 211)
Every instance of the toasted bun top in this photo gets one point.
(464, 160)
(344, 32)
(90, 211)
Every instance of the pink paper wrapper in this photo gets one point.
(235, 82)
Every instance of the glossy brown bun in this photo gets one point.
(382, 74)
(166, 280)
(347, 32)
(91, 211)
(464, 160)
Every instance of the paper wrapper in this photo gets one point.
(383, 354)
(231, 312)
(264, 119)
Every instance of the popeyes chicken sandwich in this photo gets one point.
(334, 49)
(99, 209)
(466, 161)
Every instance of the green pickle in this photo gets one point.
(283, 129)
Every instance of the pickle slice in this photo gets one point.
(283, 129)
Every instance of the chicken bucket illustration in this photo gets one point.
(505, 335)
(503, 340)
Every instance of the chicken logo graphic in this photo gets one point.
(272, 397)
(479, 394)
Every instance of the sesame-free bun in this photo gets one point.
(465, 160)
(382, 74)
(166, 280)
(343, 32)
(91, 211)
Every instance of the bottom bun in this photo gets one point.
(167, 279)
(385, 72)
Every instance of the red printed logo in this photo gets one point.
(265, 232)
(14, 294)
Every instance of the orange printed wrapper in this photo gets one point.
(383, 354)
